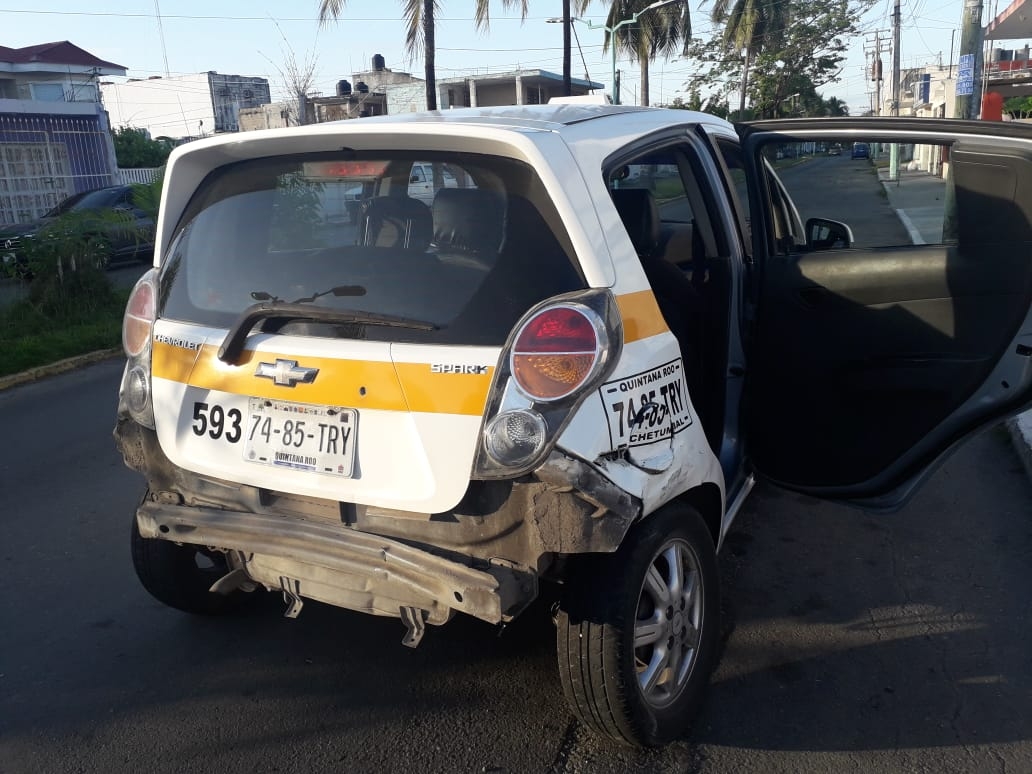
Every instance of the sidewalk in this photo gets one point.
(917, 198)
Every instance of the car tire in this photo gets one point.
(623, 690)
(181, 575)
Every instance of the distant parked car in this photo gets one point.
(835, 150)
(129, 239)
(861, 150)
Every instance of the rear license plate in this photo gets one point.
(319, 439)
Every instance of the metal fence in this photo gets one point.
(44, 159)
(141, 175)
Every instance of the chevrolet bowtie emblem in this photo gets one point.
(286, 373)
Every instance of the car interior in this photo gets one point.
(667, 219)
(859, 351)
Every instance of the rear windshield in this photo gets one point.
(464, 242)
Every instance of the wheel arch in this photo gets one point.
(707, 500)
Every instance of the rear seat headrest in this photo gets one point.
(396, 221)
(468, 220)
(640, 217)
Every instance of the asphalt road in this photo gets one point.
(846, 190)
(854, 642)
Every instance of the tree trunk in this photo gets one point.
(745, 85)
(644, 101)
(429, 50)
(567, 21)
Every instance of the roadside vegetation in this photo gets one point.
(71, 306)
(88, 318)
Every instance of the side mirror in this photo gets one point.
(824, 234)
(415, 179)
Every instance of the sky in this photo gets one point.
(257, 37)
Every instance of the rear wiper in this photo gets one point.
(233, 344)
(339, 290)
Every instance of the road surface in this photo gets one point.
(854, 642)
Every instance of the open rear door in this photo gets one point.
(879, 347)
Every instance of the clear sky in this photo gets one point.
(253, 38)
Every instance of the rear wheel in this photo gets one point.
(180, 575)
(638, 630)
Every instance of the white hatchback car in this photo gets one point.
(568, 369)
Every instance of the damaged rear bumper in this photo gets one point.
(341, 566)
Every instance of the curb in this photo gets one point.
(68, 364)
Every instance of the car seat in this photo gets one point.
(468, 223)
(396, 221)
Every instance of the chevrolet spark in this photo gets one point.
(569, 368)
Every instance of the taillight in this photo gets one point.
(137, 332)
(556, 351)
(139, 317)
(555, 357)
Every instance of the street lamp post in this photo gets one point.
(612, 34)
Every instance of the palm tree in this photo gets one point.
(419, 34)
(657, 33)
(748, 26)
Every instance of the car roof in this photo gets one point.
(572, 121)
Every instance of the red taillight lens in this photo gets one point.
(555, 352)
(139, 318)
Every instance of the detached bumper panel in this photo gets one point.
(354, 569)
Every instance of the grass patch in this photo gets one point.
(49, 326)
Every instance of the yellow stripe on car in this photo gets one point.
(361, 384)
(641, 315)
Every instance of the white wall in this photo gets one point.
(166, 107)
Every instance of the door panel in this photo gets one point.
(863, 353)
(869, 363)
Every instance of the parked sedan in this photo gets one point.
(129, 238)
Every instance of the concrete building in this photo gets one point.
(275, 115)
(382, 91)
(517, 87)
(55, 138)
(192, 105)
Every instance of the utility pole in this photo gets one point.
(894, 147)
(567, 23)
(969, 72)
(876, 69)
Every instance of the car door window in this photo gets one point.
(887, 194)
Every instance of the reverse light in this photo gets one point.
(557, 350)
(139, 317)
(137, 390)
(514, 437)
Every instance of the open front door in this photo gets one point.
(893, 309)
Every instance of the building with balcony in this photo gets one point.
(55, 137)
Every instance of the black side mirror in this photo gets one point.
(824, 234)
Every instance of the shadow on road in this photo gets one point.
(860, 632)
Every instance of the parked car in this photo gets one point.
(861, 150)
(129, 232)
(835, 149)
(556, 374)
